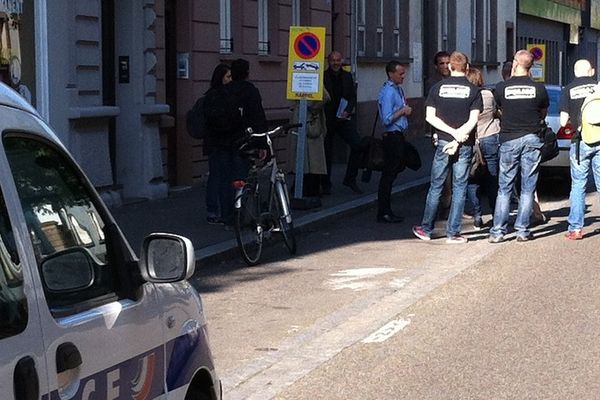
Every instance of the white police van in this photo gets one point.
(80, 316)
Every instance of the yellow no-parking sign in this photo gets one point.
(306, 62)
(538, 69)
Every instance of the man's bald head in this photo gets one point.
(583, 68)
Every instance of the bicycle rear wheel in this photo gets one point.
(248, 231)
(284, 216)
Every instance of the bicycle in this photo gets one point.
(256, 217)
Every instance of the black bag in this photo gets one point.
(222, 111)
(412, 159)
(549, 149)
(194, 120)
(375, 157)
(372, 157)
(478, 164)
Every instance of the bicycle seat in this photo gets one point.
(256, 150)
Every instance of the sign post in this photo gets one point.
(304, 82)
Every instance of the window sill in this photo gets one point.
(477, 63)
(269, 59)
(154, 109)
(93, 112)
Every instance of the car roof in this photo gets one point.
(10, 98)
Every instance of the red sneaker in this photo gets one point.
(420, 233)
(574, 235)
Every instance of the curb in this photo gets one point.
(228, 249)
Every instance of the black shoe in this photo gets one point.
(353, 186)
(214, 220)
(540, 221)
(478, 223)
(389, 218)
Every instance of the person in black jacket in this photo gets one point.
(216, 186)
(250, 101)
(340, 85)
(243, 104)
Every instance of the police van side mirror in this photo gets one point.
(69, 270)
(166, 257)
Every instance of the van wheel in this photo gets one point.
(197, 394)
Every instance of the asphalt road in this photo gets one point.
(366, 311)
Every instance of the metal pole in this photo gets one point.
(300, 146)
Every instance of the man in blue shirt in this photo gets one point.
(394, 112)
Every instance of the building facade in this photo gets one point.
(115, 78)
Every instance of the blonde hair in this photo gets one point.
(458, 61)
(524, 59)
(475, 77)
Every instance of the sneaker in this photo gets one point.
(496, 239)
(523, 238)
(478, 223)
(420, 233)
(574, 235)
(456, 239)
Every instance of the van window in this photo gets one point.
(61, 217)
(13, 305)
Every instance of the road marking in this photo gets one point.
(387, 331)
(355, 279)
(399, 283)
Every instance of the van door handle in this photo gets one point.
(25, 380)
(67, 357)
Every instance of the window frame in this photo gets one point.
(264, 43)
(225, 36)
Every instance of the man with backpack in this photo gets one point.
(579, 104)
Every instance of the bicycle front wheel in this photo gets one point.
(284, 217)
(248, 230)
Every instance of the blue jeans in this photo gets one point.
(213, 203)
(459, 163)
(521, 154)
(589, 156)
(487, 184)
(227, 166)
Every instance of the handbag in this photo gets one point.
(549, 148)
(478, 164)
(412, 159)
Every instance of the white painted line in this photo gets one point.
(354, 279)
(387, 331)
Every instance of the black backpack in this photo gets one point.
(194, 120)
(222, 111)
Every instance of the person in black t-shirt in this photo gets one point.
(586, 157)
(452, 108)
(523, 104)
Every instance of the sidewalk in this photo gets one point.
(184, 211)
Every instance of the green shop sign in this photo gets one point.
(568, 12)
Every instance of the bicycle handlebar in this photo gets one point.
(281, 128)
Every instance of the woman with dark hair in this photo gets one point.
(218, 198)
